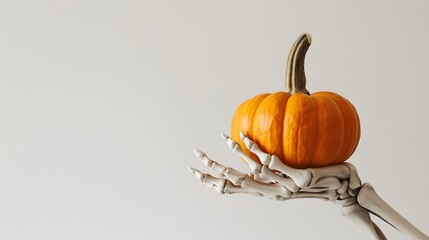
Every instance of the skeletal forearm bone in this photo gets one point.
(370, 200)
(360, 215)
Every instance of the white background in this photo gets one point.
(102, 102)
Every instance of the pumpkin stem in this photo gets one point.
(295, 75)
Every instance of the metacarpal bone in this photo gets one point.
(327, 183)
(338, 171)
(324, 195)
(370, 200)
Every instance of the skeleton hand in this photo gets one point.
(338, 183)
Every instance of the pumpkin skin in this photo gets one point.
(302, 130)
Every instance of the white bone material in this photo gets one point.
(235, 147)
(360, 215)
(273, 179)
(370, 200)
(301, 177)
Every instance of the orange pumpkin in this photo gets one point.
(303, 130)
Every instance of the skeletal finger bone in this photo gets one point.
(229, 173)
(235, 147)
(232, 189)
(208, 180)
(253, 147)
(209, 162)
(285, 181)
(262, 178)
(271, 191)
(301, 177)
(222, 186)
(267, 176)
(360, 215)
(370, 200)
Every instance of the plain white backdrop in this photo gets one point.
(102, 102)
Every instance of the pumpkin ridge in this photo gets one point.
(337, 131)
(242, 121)
(280, 118)
(289, 138)
(357, 127)
(250, 132)
(348, 110)
(268, 123)
(345, 149)
(310, 161)
(335, 158)
(314, 138)
(298, 136)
